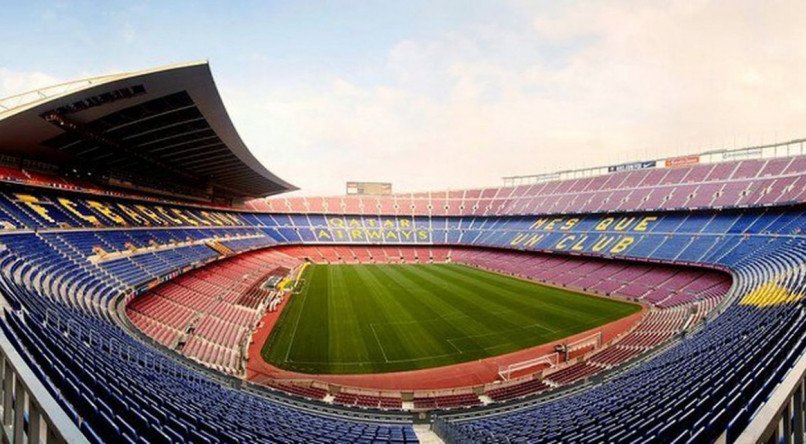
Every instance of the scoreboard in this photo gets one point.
(369, 188)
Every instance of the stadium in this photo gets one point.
(157, 286)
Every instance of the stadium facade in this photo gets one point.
(145, 259)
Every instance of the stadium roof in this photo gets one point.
(167, 123)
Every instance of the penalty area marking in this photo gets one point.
(422, 358)
(450, 341)
(374, 333)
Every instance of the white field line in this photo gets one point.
(450, 341)
(375, 333)
(296, 324)
(391, 361)
(444, 317)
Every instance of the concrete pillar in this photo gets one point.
(34, 422)
(8, 393)
(21, 395)
(787, 420)
(798, 412)
(53, 436)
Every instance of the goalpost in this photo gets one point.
(506, 372)
(552, 359)
(594, 340)
(299, 285)
(298, 281)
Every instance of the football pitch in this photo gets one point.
(384, 318)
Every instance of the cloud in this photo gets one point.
(589, 84)
(15, 82)
(534, 89)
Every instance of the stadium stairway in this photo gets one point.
(425, 435)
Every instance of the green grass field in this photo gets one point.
(383, 318)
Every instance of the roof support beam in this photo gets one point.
(67, 125)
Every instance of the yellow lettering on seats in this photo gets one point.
(569, 224)
(601, 244)
(221, 218)
(533, 239)
(622, 244)
(623, 223)
(563, 243)
(33, 203)
(232, 218)
(517, 239)
(185, 217)
(71, 207)
(550, 226)
(580, 244)
(211, 219)
(644, 224)
(106, 211)
(162, 211)
(134, 215)
(769, 294)
(601, 226)
(151, 215)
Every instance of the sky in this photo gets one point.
(446, 94)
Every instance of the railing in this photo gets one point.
(782, 416)
(782, 419)
(29, 412)
(784, 149)
(12, 103)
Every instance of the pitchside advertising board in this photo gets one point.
(673, 162)
(681, 161)
(369, 188)
(631, 166)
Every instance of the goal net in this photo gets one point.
(529, 366)
(593, 341)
